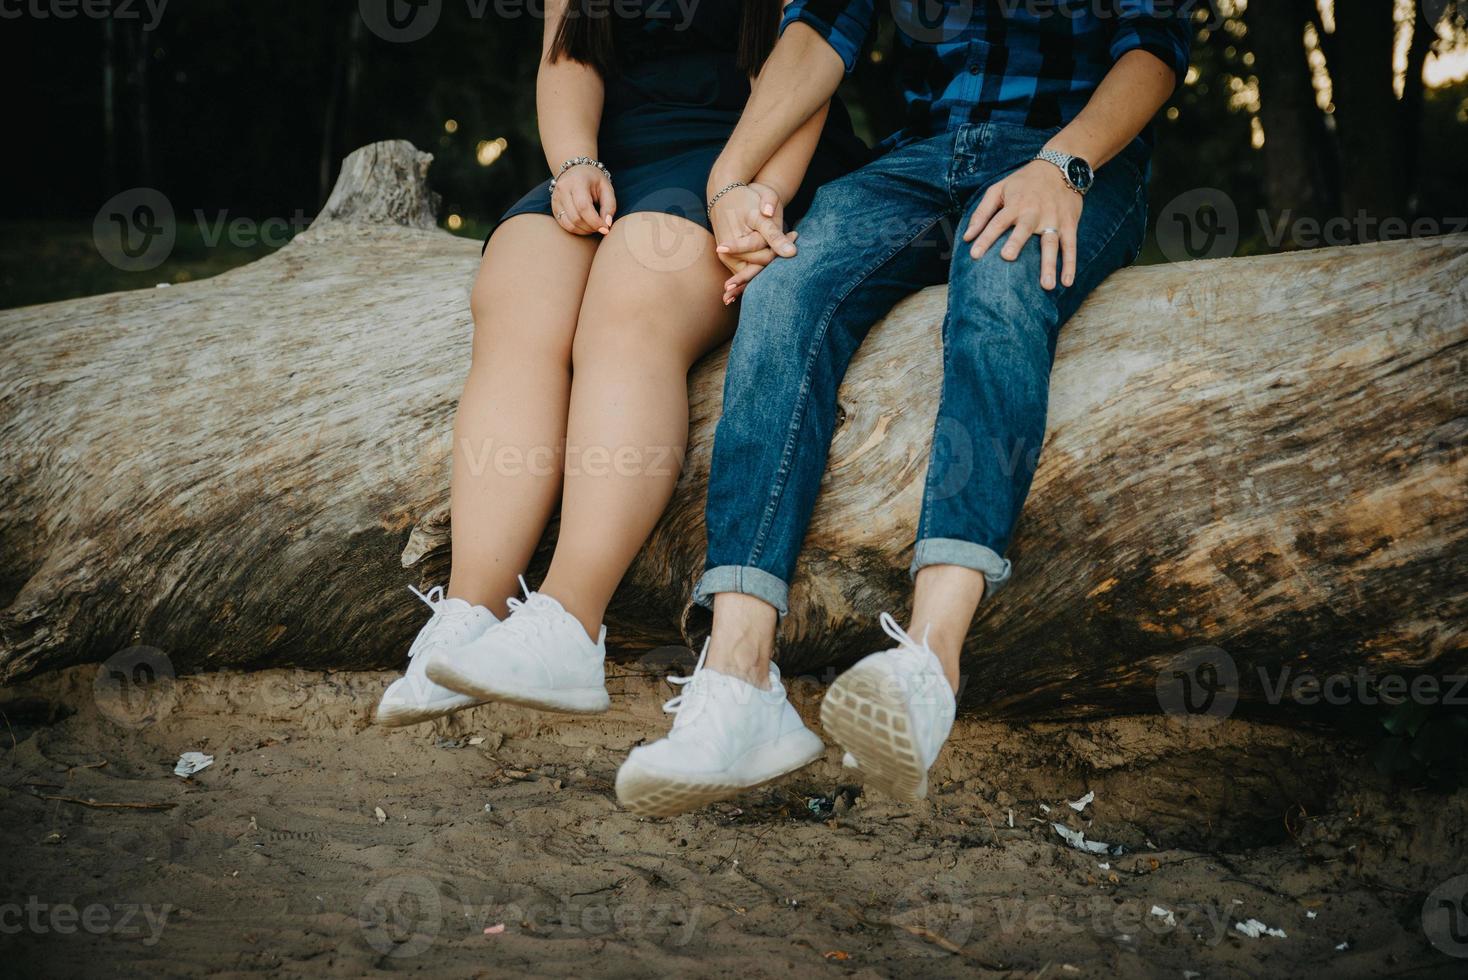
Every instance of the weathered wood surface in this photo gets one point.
(1265, 454)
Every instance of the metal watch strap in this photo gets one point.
(1061, 160)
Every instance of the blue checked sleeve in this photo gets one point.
(1160, 27)
(843, 23)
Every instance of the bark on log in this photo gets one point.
(1265, 454)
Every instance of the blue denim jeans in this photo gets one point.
(869, 239)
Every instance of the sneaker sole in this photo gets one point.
(577, 701)
(649, 793)
(866, 717)
(399, 717)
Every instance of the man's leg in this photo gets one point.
(893, 710)
(999, 342)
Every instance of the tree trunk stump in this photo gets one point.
(1261, 454)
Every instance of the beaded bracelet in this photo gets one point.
(576, 162)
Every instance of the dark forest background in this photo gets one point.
(1294, 108)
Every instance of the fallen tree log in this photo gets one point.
(1262, 454)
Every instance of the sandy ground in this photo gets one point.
(491, 844)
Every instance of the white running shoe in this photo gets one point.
(891, 713)
(538, 657)
(413, 697)
(728, 736)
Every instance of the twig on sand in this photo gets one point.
(86, 765)
(102, 805)
(928, 935)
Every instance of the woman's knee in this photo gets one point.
(496, 327)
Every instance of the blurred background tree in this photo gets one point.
(1293, 108)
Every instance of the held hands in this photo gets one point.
(749, 225)
(1034, 199)
(583, 200)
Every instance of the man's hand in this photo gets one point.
(749, 227)
(583, 200)
(1033, 199)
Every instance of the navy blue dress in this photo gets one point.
(670, 106)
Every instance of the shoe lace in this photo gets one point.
(526, 623)
(905, 642)
(449, 625)
(690, 689)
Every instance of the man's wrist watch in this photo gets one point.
(1078, 174)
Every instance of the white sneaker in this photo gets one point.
(538, 657)
(413, 697)
(727, 736)
(891, 713)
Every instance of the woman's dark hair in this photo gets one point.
(585, 34)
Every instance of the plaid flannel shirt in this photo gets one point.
(1031, 62)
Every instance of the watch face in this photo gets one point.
(1079, 172)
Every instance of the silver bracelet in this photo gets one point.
(576, 162)
(715, 199)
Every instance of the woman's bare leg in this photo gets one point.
(653, 307)
(512, 415)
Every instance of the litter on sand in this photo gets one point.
(380, 814)
(495, 929)
(1309, 915)
(1165, 915)
(1078, 840)
(1083, 802)
(1343, 947)
(1253, 928)
(192, 762)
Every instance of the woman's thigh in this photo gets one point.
(656, 286)
(529, 289)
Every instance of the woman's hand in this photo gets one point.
(1033, 199)
(750, 231)
(584, 201)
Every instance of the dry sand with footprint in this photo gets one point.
(491, 844)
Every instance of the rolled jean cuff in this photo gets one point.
(951, 551)
(745, 579)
